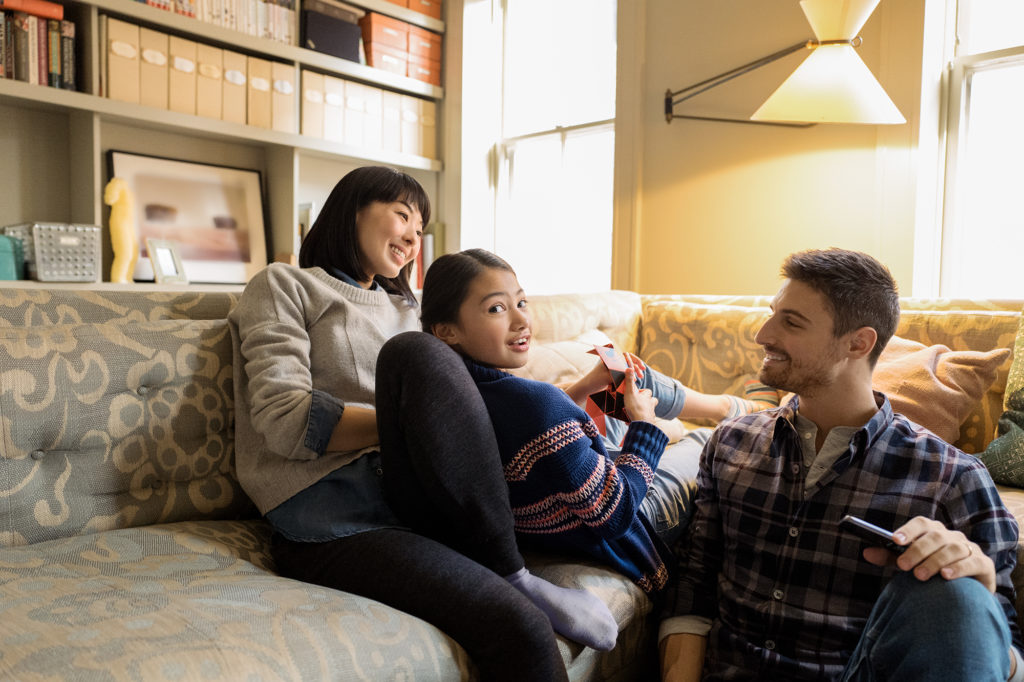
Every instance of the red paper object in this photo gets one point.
(609, 401)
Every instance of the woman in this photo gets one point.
(308, 453)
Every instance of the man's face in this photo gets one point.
(801, 354)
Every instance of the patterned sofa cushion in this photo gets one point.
(114, 425)
(196, 601)
(32, 307)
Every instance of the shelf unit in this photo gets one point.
(95, 125)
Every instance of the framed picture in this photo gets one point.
(167, 266)
(212, 214)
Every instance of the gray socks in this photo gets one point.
(576, 614)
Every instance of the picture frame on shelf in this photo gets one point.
(166, 263)
(213, 215)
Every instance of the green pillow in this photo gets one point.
(1004, 456)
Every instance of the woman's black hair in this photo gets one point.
(333, 241)
(447, 283)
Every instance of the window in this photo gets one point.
(554, 207)
(983, 222)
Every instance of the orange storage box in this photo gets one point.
(381, 30)
(427, 70)
(424, 43)
(387, 58)
(432, 8)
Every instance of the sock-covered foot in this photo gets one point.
(576, 614)
(758, 397)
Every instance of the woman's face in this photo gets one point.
(389, 237)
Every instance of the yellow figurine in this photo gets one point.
(122, 230)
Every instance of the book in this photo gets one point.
(27, 26)
(3, 45)
(8, 18)
(68, 78)
(53, 61)
(40, 8)
(42, 58)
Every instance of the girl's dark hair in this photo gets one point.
(333, 241)
(859, 291)
(447, 283)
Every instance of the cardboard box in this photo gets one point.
(282, 98)
(355, 113)
(391, 121)
(432, 8)
(234, 86)
(428, 128)
(424, 43)
(387, 58)
(153, 68)
(312, 104)
(381, 30)
(374, 120)
(122, 61)
(182, 75)
(335, 109)
(423, 69)
(412, 134)
(258, 101)
(209, 81)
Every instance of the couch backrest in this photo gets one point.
(707, 342)
(116, 410)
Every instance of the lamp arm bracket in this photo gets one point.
(674, 97)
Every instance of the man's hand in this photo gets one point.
(934, 549)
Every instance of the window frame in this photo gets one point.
(959, 73)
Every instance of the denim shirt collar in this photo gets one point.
(348, 279)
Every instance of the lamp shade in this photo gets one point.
(833, 85)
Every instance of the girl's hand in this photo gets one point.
(637, 364)
(639, 404)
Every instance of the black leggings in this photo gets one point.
(443, 477)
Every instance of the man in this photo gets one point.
(769, 586)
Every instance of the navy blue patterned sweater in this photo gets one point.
(566, 491)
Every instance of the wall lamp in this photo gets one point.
(832, 85)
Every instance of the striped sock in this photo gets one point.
(758, 397)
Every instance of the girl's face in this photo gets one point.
(389, 237)
(494, 321)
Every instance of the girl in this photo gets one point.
(308, 453)
(566, 490)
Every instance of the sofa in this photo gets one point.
(128, 550)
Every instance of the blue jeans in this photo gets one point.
(933, 630)
(668, 504)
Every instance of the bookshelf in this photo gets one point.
(55, 142)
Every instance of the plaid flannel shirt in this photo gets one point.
(787, 591)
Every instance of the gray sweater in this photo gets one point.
(306, 345)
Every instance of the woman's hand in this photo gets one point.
(357, 429)
(639, 404)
